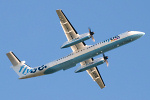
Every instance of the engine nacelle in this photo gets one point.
(94, 63)
(81, 38)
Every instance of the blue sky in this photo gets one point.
(31, 29)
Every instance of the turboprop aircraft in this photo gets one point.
(82, 53)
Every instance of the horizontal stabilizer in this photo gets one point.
(14, 60)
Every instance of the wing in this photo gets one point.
(71, 33)
(95, 74)
(69, 30)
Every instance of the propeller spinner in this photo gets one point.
(91, 33)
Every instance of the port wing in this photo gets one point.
(95, 74)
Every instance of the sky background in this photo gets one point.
(31, 29)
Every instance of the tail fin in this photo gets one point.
(18, 66)
(14, 60)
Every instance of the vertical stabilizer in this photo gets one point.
(14, 60)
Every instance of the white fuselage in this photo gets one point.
(86, 53)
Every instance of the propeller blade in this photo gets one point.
(89, 30)
(93, 38)
(103, 55)
(107, 63)
(105, 59)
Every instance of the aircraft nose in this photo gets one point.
(141, 33)
(137, 34)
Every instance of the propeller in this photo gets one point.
(91, 33)
(105, 59)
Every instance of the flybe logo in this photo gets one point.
(26, 69)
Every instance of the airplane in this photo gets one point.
(82, 53)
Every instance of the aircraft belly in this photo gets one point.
(65, 65)
(85, 56)
(68, 64)
(52, 69)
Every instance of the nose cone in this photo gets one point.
(141, 33)
(137, 33)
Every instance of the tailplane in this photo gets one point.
(18, 66)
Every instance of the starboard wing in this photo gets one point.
(69, 30)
